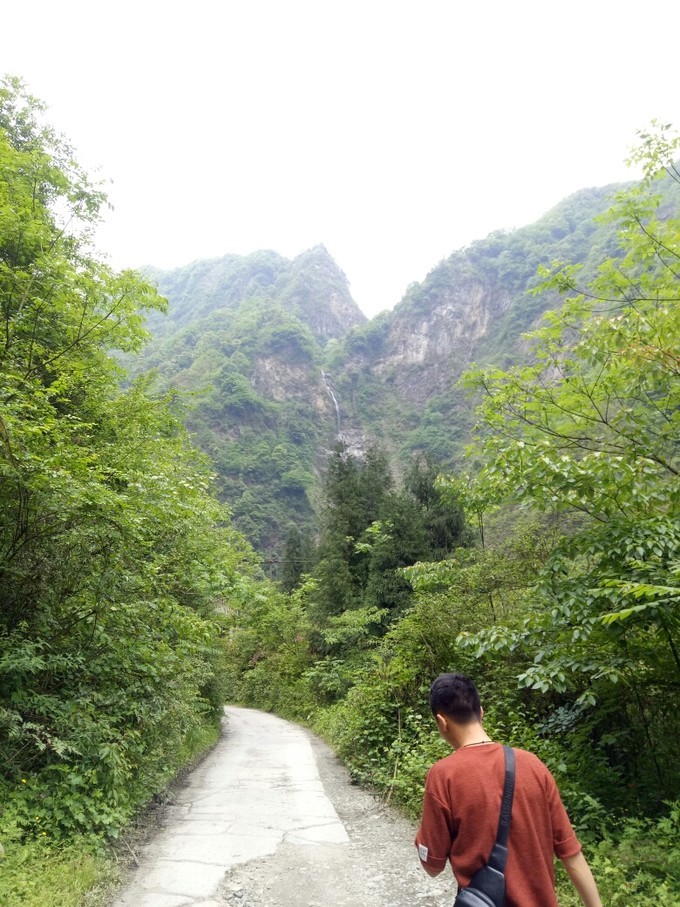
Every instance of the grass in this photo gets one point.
(41, 875)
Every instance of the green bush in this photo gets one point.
(637, 862)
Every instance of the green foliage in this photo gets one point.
(638, 861)
(115, 559)
(592, 428)
(368, 339)
(298, 558)
(440, 430)
(268, 652)
(382, 727)
(369, 533)
(444, 515)
(40, 874)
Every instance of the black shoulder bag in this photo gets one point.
(487, 886)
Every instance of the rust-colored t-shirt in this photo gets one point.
(462, 802)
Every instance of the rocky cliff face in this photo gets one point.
(284, 364)
(454, 323)
(397, 378)
(437, 345)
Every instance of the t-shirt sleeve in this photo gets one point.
(433, 839)
(565, 842)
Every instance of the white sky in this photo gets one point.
(392, 131)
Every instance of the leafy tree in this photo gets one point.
(298, 559)
(114, 557)
(352, 496)
(398, 539)
(444, 516)
(593, 428)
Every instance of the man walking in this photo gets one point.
(462, 804)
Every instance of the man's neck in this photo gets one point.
(470, 735)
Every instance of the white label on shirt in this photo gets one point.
(422, 852)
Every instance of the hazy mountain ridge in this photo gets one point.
(311, 286)
(282, 363)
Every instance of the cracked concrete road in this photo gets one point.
(270, 819)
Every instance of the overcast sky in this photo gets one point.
(393, 132)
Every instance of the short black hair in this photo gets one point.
(456, 696)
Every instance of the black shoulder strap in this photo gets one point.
(499, 854)
(508, 793)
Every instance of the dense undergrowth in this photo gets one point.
(117, 563)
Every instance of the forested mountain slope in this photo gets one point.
(311, 287)
(276, 362)
(246, 338)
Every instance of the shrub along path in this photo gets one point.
(271, 819)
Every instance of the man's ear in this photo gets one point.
(442, 723)
(481, 714)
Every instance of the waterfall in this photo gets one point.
(329, 388)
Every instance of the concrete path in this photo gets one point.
(258, 788)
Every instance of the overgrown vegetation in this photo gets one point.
(116, 562)
(566, 608)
